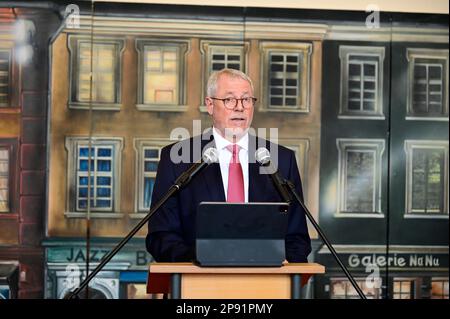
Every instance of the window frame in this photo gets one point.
(206, 50)
(305, 49)
(139, 144)
(183, 48)
(426, 53)
(438, 279)
(7, 176)
(14, 82)
(377, 146)
(73, 44)
(8, 74)
(409, 146)
(345, 52)
(415, 283)
(11, 145)
(72, 144)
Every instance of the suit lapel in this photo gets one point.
(213, 179)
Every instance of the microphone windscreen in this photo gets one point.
(262, 155)
(210, 155)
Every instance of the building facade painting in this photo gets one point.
(83, 123)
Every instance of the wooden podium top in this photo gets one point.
(159, 278)
(190, 268)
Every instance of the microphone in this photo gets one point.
(210, 155)
(262, 156)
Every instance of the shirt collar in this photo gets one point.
(221, 142)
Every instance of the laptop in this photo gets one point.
(241, 234)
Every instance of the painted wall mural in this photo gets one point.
(365, 110)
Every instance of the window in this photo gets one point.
(9, 194)
(162, 75)
(217, 55)
(97, 169)
(360, 177)
(225, 57)
(151, 159)
(343, 289)
(426, 178)
(101, 177)
(102, 72)
(10, 81)
(148, 152)
(5, 77)
(361, 82)
(286, 76)
(403, 288)
(106, 73)
(439, 288)
(4, 180)
(428, 83)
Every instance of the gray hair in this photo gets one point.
(212, 81)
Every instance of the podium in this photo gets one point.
(189, 281)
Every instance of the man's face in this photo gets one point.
(231, 121)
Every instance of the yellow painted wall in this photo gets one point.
(9, 124)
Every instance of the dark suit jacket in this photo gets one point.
(171, 231)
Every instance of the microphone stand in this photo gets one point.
(291, 187)
(181, 181)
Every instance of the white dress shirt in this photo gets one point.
(225, 158)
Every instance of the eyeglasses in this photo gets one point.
(231, 102)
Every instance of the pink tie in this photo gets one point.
(235, 192)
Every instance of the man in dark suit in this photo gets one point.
(236, 178)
